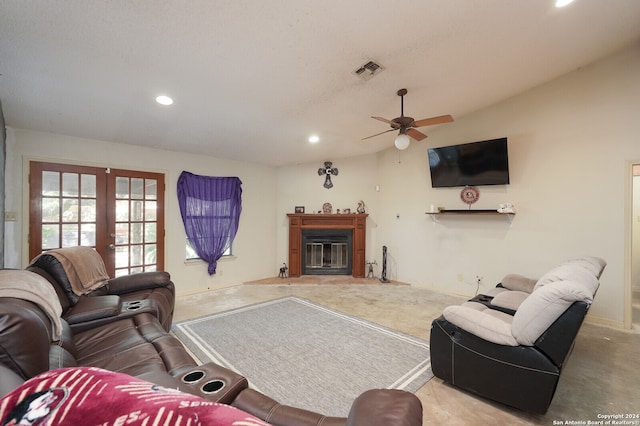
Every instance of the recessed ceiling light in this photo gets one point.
(563, 3)
(314, 139)
(164, 100)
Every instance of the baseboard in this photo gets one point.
(593, 320)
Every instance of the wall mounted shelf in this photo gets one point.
(434, 215)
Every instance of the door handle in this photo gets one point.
(111, 246)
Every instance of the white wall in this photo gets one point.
(570, 142)
(254, 257)
(300, 185)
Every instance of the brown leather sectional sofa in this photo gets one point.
(123, 327)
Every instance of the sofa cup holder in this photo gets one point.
(193, 376)
(134, 306)
(208, 387)
(212, 386)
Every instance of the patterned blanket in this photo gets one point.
(92, 396)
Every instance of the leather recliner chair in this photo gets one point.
(149, 291)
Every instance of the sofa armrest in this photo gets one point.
(271, 411)
(140, 281)
(93, 308)
(388, 407)
(488, 324)
(509, 299)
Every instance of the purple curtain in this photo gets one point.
(210, 208)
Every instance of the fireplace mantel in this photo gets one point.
(356, 222)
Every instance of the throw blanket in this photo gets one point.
(32, 287)
(92, 396)
(84, 268)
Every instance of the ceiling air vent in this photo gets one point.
(368, 70)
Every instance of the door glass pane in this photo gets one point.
(151, 189)
(136, 211)
(122, 233)
(122, 187)
(70, 235)
(50, 237)
(136, 233)
(149, 253)
(51, 183)
(70, 184)
(122, 257)
(88, 210)
(88, 234)
(150, 210)
(69, 209)
(150, 232)
(136, 256)
(88, 186)
(137, 188)
(122, 210)
(50, 209)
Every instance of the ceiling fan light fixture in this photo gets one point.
(164, 100)
(402, 141)
(563, 3)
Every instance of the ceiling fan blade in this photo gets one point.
(416, 134)
(433, 120)
(378, 134)
(384, 120)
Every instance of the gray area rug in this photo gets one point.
(307, 355)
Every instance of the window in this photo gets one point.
(210, 208)
(192, 255)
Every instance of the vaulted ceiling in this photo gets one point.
(253, 79)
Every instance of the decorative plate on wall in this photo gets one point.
(470, 194)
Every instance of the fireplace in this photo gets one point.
(333, 244)
(327, 251)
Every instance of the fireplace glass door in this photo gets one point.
(327, 252)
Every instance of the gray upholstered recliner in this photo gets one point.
(511, 346)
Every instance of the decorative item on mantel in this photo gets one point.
(361, 209)
(506, 208)
(328, 171)
(327, 208)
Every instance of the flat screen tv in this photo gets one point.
(476, 163)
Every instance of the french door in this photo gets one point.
(120, 213)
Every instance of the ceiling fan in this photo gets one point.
(407, 125)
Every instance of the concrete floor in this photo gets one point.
(602, 376)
